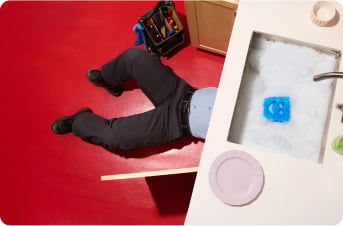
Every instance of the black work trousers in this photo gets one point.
(153, 128)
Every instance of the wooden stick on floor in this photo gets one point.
(149, 174)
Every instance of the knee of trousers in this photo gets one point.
(134, 53)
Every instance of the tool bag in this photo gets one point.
(163, 28)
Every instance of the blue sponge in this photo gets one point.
(277, 109)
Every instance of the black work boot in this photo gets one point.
(64, 124)
(96, 78)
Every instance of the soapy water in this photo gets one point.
(280, 69)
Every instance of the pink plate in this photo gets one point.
(236, 178)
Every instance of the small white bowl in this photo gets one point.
(322, 13)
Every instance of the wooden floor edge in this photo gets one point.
(149, 174)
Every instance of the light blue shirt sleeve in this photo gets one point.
(200, 111)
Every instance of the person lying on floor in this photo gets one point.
(180, 110)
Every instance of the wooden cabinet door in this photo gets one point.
(210, 24)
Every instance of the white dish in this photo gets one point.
(236, 178)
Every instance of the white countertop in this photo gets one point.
(295, 191)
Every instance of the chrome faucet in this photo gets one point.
(327, 76)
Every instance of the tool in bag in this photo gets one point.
(160, 29)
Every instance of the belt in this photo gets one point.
(185, 109)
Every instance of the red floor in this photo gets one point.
(46, 48)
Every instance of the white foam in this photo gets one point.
(276, 68)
